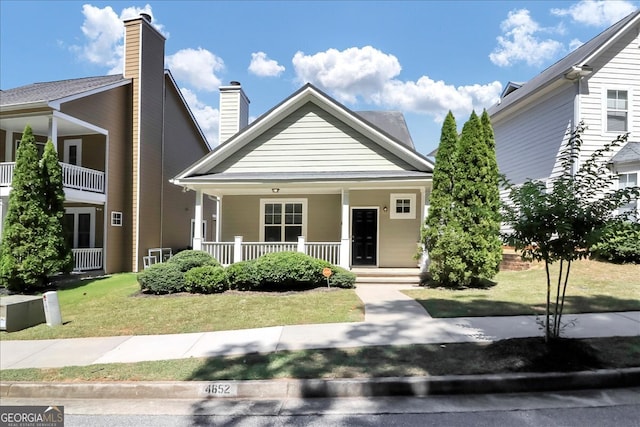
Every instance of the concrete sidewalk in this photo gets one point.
(391, 318)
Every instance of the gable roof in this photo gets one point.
(309, 93)
(627, 154)
(47, 92)
(574, 61)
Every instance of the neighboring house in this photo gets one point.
(313, 176)
(598, 83)
(120, 138)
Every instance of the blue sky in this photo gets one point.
(419, 57)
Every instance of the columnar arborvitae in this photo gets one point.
(21, 266)
(58, 257)
(441, 235)
(475, 195)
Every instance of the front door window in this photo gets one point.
(79, 227)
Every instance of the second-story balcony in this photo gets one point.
(74, 178)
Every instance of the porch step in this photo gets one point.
(390, 276)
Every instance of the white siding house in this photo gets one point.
(598, 83)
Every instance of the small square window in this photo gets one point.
(403, 206)
(116, 219)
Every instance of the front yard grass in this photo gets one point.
(593, 287)
(516, 355)
(112, 306)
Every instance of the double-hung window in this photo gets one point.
(626, 180)
(283, 220)
(617, 110)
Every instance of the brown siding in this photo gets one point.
(183, 146)
(3, 138)
(110, 110)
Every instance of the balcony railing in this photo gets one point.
(73, 176)
(229, 252)
(87, 259)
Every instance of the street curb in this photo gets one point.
(328, 388)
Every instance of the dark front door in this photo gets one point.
(364, 239)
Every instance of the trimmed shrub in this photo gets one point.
(341, 278)
(207, 279)
(619, 243)
(186, 260)
(289, 271)
(162, 278)
(243, 276)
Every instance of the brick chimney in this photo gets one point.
(234, 111)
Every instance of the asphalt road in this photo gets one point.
(583, 408)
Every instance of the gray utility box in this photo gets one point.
(20, 312)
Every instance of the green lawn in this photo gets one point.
(112, 306)
(517, 355)
(593, 287)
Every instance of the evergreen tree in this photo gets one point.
(440, 234)
(58, 257)
(21, 266)
(476, 201)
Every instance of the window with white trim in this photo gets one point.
(116, 219)
(626, 180)
(80, 227)
(617, 110)
(282, 220)
(402, 206)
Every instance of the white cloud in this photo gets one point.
(104, 33)
(574, 44)
(520, 42)
(262, 66)
(198, 67)
(437, 97)
(597, 13)
(207, 116)
(369, 75)
(348, 74)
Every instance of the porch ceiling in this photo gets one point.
(40, 125)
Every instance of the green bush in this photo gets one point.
(186, 260)
(619, 242)
(289, 270)
(207, 279)
(162, 278)
(341, 278)
(243, 276)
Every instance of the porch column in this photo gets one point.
(9, 143)
(197, 226)
(345, 240)
(53, 132)
(424, 259)
(218, 217)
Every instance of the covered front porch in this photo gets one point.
(82, 152)
(356, 224)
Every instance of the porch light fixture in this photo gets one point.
(275, 190)
(385, 209)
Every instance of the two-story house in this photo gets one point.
(598, 83)
(120, 138)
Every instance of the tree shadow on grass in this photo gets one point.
(427, 281)
(446, 307)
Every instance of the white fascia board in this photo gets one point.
(55, 104)
(23, 106)
(71, 119)
(611, 41)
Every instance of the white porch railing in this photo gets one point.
(72, 177)
(328, 251)
(6, 173)
(82, 178)
(229, 252)
(87, 259)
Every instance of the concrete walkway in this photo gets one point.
(391, 318)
